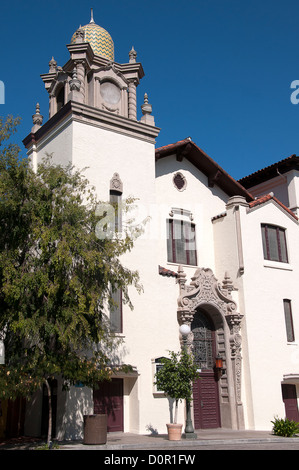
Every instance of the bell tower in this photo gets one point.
(92, 102)
(93, 124)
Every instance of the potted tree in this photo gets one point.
(175, 378)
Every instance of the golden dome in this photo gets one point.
(99, 39)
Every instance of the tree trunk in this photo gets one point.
(50, 412)
(176, 412)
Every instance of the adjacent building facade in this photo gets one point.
(217, 254)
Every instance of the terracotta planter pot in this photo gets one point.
(174, 431)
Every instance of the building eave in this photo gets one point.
(216, 175)
(270, 172)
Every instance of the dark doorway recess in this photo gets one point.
(108, 399)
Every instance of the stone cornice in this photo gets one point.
(96, 117)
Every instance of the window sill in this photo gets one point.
(184, 265)
(117, 335)
(278, 265)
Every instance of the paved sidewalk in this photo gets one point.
(126, 441)
(122, 441)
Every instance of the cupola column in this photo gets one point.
(81, 77)
(132, 100)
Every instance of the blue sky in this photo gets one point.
(218, 71)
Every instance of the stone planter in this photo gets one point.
(174, 431)
(95, 429)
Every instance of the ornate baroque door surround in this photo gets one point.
(207, 293)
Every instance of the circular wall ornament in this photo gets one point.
(110, 92)
(179, 181)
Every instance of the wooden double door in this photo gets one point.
(108, 399)
(205, 389)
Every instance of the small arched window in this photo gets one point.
(116, 189)
(60, 98)
(115, 197)
(288, 320)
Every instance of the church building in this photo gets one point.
(218, 255)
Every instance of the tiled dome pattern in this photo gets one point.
(99, 39)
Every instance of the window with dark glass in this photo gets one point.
(60, 98)
(158, 366)
(116, 323)
(203, 340)
(288, 320)
(181, 244)
(115, 201)
(274, 243)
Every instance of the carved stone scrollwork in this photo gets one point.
(116, 183)
(79, 34)
(235, 341)
(74, 82)
(204, 288)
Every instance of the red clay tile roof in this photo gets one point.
(167, 272)
(263, 199)
(219, 216)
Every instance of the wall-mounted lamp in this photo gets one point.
(219, 362)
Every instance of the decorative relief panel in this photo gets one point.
(205, 289)
(116, 183)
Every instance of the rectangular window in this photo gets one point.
(116, 202)
(274, 243)
(157, 365)
(288, 320)
(181, 245)
(116, 322)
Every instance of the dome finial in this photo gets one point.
(91, 16)
(146, 109)
(37, 119)
(132, 55)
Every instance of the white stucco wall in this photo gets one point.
(58, 143)
(203, 202)
(267, 356)
(266, 284)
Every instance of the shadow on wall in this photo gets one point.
(154, 431)
(70, 408)
(78, 402)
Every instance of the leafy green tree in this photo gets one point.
(176, 376)
(56, 276)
